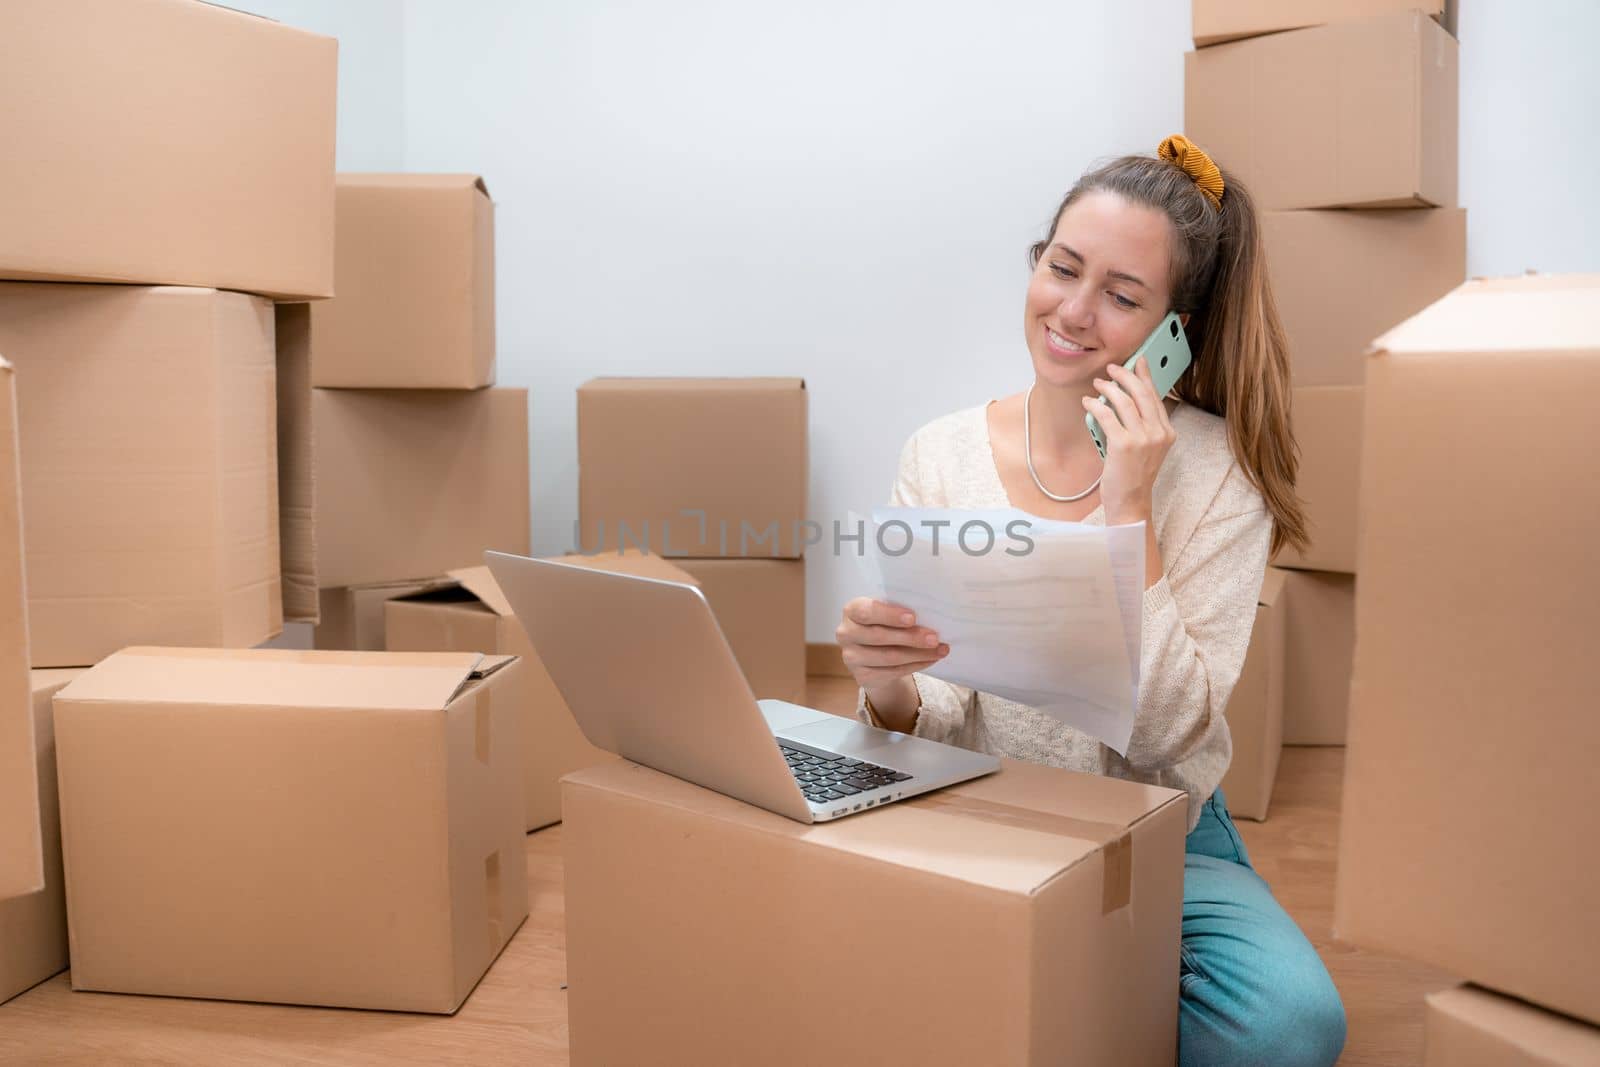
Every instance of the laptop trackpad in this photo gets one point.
(783, 716)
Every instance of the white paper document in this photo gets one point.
(1049, 616)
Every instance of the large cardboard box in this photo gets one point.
(297, 486)
(1051, 900)
(760, 605)
(473, 613)
(1340, 278)
(33, 926)
(1473, 730)
(165, 142)
(415, 280)
(1359, 113)
(21, 865)
(1472, 1027)
(353, 620)
(1319, 639)
(413, 483)
(1327, 426)
(1255, 710)
(1217, 21)
(150, 466)
(336, 828)
(700, 467)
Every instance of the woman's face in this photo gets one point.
(1098, 289)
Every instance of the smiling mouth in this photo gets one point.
(1059, 342)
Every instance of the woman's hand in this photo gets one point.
(1137, 440)
(882, 643)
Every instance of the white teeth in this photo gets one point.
(1062, 342)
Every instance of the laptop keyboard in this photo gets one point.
(824, 776)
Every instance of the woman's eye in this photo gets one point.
(1123, 301)
(1061, 272)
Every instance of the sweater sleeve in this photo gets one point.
(944, 705)
(1197, 623)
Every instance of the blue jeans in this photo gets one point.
(1252, 989)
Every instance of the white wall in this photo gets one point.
(1530, 161)
(835, 190)
(845, 191)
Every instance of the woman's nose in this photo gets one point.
(1077, 309)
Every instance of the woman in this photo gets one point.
(1210, 470)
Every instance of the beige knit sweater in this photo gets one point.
(1213, 531)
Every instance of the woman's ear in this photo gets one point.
(1183, 320)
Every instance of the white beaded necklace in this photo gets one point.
(1027, 452)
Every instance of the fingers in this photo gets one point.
(909, 636)
(1128, 419)
(868, 612)
(1139, 386)
(1145, 375)
(888, 657)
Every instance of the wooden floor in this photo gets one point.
(517, 1015)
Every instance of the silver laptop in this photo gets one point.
(649, 675)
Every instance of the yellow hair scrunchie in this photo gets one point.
(1189, 157)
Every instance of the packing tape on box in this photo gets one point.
(1114, 841)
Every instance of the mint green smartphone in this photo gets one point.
(1167, 352)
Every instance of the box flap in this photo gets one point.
(631, 561)
(411, 681)
(1533, 313)
(481, 584)
(1272, 586)
(488, 664)
(775, 385)
(414, 181)
(1014, 831)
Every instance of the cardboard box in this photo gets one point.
(150, 473)
(1217, 21)
(760, 605)
(1319, 640)
(699, 467)
(1360, 113)
(413, 483)
(1051, 900)
(416, 285)
(297, 486)
(1327, 426)
(1472, 1027)
(473, 613)
(1340, 278)
(1472, 713)
(21, 858)
(166, 142)
(352, 617)
(1255, 710)
(335, 828)
(33, 926)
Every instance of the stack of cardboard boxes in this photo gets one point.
(156, 489)
(421, 461)
(1341, 119)
(711, 472)
(185, 153)
(1468, 823)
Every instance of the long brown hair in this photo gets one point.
(1241, 356)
